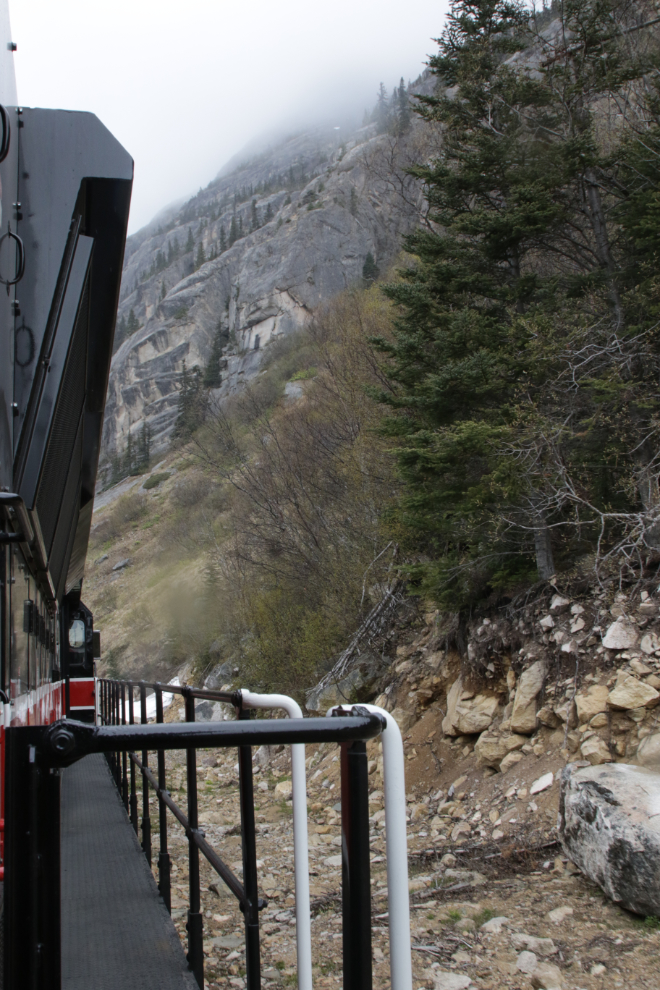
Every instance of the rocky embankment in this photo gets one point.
(495, 901)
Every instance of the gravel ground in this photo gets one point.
(482, 853)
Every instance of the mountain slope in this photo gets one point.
(314, 211)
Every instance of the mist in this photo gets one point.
(184, 86)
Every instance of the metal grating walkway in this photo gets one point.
(116, 932)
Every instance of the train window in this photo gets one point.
(77, 634)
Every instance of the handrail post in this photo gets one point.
(134, 800)
(124, 756)
(356, 886)
(163, 855)
(115, 721)
(146, 820)
(195, 921)
(248, 833)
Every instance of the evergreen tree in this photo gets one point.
(201, 256)
(403, 109)
(132, 324)
(240, 226)
(163, 291)
(190, 243)
(212, 376)
(522, 264)
(223, 240)
(382, 112)
(233, 231)
(354, 202)
(129, 457)
(192, 404)
(254, 216)
(370, 270)
(269, 212)
(143, 448)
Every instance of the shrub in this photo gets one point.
(155, 480)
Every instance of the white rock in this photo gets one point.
(450, 981)
(284, 789)
(547, 622)
(539, 946)
(558, 915)
(527, 962)
(648, 752)
(497, 834)
(559, 604)
(591, 702)
(542, 783)
(609, 826)
(629, 693)
(495, 925)
(621, 635)
(546, 976)
(576, 610)
(333, 861)
(577, 625)
(595, 750)
(523, 716)
(650, 643)
(597, 969)
(510, 760)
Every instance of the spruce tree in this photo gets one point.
(132, 324)
(370, 270)
(212, 376)
(403, 109)
(269, 212)
(233, 231)
(382, 112)
(223, 240)
(190, 243)
(163, 291)
(354, 202)
(254, 216)
(201, 256)
(192, 404)
(522, 257)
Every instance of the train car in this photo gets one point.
(65, 188)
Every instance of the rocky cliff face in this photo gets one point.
(302, 217)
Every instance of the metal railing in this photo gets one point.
(35, 756)
(117, 707)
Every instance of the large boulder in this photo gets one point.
(621, 635)
(523, 716)
(467, 712)
(609, 827)
(490, 749)
(629, 693)
(591, 702)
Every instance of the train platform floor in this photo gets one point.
(116, 932)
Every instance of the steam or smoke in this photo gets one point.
(184, 85)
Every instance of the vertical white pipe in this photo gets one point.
(300, 846)
(398, 899)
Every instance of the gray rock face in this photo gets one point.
(320, 210)
(609, 825)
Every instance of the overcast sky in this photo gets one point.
(185, 85)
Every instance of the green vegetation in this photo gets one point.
(523, 366)
(155, 480)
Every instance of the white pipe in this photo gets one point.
(300, 847)
(398, 899)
